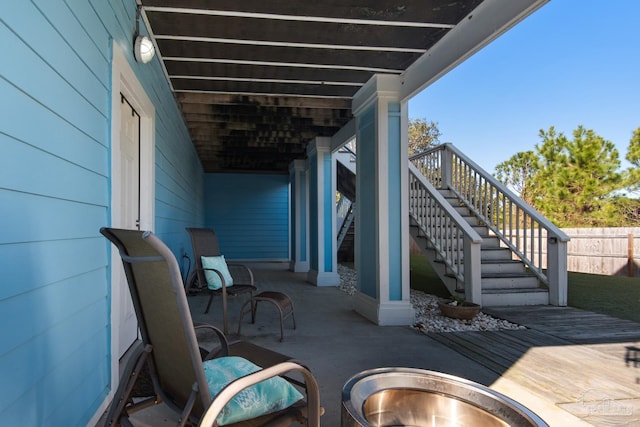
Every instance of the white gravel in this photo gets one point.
(428, 317)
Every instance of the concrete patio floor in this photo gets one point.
(337, 343)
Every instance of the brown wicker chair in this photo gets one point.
(205, 243)
(169, 348)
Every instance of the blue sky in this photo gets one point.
(572, 62)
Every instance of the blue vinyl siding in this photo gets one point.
(55, 143)
(250, 214)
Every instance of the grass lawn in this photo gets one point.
(425, 279)
(616, 296)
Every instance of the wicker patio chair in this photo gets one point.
(205, 244)
(184, 375)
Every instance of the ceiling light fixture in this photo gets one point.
(143, 48)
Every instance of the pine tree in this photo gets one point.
(423, 134)
(576, 178)
(632, 175)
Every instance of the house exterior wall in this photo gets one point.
(55, 141)
(250, 214)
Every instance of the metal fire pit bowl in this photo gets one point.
(388, 397)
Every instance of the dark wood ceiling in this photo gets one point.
(256, 80)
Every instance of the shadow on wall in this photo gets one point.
(632, 269)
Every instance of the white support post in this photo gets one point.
(472, 271)
(382, 217)
(446, 163)
(299, 217)
(323, 256)
(557, 271)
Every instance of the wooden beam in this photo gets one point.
(435, 11)
(264, 100)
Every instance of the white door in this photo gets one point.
(129, 212)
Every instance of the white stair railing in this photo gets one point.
(344, 217)
(345, 206)
(456, 243)
(531, 237)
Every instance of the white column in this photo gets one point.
(557, 271)
(322, 215)
(299, 217)
(382, 217)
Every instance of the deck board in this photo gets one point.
(478, 347)
(567, 365)
(572, 324)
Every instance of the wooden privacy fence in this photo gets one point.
(610, 251)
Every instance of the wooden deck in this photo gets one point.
(568, 365)
(572, 324)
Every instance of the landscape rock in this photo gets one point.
(428, 317)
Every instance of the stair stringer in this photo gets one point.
(431, 255)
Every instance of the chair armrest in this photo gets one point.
(224, 283)
(232, 266)
(313, 394)
(247, 270)
(222, 349)
(223, 289)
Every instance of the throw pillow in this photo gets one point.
(216, 263)
(268, 396)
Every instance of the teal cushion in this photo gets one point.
(216, 263)
(263, 398)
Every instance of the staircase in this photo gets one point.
(503, 279)
(486, 244)
(346, 233)
(346, 186)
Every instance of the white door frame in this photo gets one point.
(125, 82)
